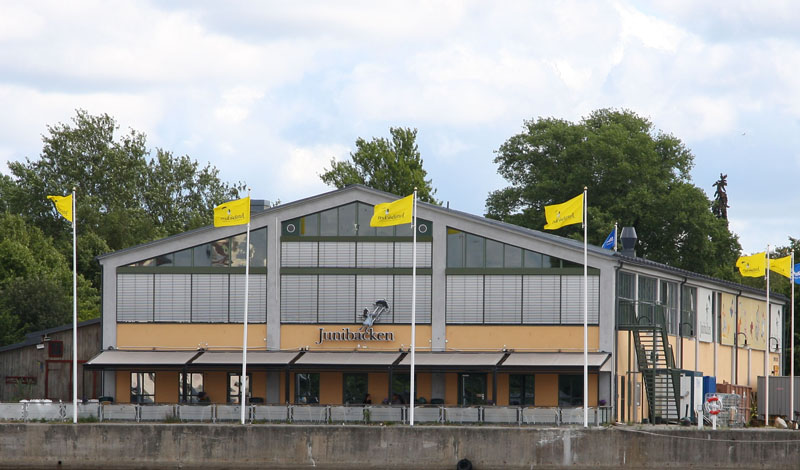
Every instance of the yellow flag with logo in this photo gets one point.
(782, 266)
(232, 213)
(393, 213)
(753, 265)
(566, 213)
(63, 205)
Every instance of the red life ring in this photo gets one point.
(713, 405)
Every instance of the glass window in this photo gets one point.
(570, 390)
(164, 260)
(365, 213)
(238, 250)
(258, 247)
(183, 258)
(55, 348)
(234, 387)
(474, 251)
(201, 255)
(221, 253)
(306, 389)
(401, 387)
(472, 389)
(520, 390)
(626, 295)
(669, 300)
(570, 264)
(143, 387)
(191, 390)
(647, 299)
(512, 257)
(550, 262)
(533, 259)
(347, 220)
(494, 254)
(309, 225)
(455, 248)
(688, 310)
(328, 222)
(355, 388)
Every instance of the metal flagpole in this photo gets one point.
(615, 236)
(243, 381)
(766, 352)
(791, 361)
(413, 308)
(586, 310)
(74, 316)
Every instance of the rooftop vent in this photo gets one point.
(628, 239)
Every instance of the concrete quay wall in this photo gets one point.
(218, 446)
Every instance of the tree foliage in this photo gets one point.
(124, 197)
(394, 166)
(36, 282)
(635, 176)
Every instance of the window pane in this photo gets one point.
(475, 253)
(202, 255)
(494, 254)
(258, 248)
(234, 390)
(403, 230)
(183, 258)
(364, 216)
(513, 257)
(355, 388)
(221, 253)
(238, 250)
(472, 389)
(520, 390)
(193, 391)
(306, 389)
(309, 225)
(164, 260)
(328, 223)
(570, 390)
(533, 259)
(347, 220)
(455, 248)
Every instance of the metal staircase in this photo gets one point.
(656, 362)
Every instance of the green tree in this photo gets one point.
(635, 176)
(124, 197)
(394, 166)
(36, 282)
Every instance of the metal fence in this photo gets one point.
(313, 414)
(732, 414)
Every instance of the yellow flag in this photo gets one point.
(63, 205)
(393, 213)
(232, 213)
(566, 213)
(782, 266)
(753, 265)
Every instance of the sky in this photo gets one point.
(269, 92)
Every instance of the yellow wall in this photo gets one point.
(724, 358)
(502, 389)
(259, 385)
(124, 386)
(378, 386)
(423, 386)
(450, 389)
(296, 336)
(706, 362)
(546, 390)
(189, 336)
(167, 383)
(215, 385)
(330, 388)
(520, 338)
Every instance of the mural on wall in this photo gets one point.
(753, 322)
(705, 315)
(728, 319)
(775, 319)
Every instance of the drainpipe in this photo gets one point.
(614, 385)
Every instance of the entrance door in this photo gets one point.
(472, 389)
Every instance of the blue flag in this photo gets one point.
(610, 240)
(796, 273)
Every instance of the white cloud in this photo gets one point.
(300, 172)
(237, 103)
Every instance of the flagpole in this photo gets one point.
(766, 352)
(243, 381)
(74, 316)
(586, 309)
(413, 307)
(791, 361)
(615, 237)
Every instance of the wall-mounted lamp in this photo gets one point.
(777, 343)
(737, 339)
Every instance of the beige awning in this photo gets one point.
(554, 360)
(347, 359)
(254, 358)
(139, 359)
(451, 360)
